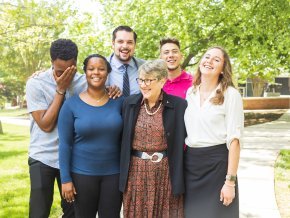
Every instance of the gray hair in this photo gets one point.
(158, 67)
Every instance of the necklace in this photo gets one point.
(100, 99)
(149, 113)
(204, 96)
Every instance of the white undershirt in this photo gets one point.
(210, 124)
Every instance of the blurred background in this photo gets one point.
(255, 33)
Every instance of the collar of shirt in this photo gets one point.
(118, 64)
(50, 71)
(160, 98)
(213, 92)
(183, 76)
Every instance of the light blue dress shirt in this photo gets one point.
(118, 70)
(40, 92)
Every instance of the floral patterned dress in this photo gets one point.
(148, 193)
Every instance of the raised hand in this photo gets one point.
(64, 80)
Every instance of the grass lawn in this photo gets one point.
(282, 183)
(14, 173)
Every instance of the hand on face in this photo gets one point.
(64, 80)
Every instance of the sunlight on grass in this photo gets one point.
(14, 174)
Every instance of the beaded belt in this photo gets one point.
(155, 157)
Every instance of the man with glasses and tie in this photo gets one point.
(124, 64)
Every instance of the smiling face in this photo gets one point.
(212, 63)
(96, 72)
(171, 54)
(151, 92)
(124, 46)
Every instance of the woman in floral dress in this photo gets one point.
(151, 176)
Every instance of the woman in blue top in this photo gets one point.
(90, 127)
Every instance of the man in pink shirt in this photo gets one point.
(178, 80)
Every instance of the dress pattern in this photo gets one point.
(148, 193)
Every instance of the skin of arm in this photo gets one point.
(47, 119)
(228, 191)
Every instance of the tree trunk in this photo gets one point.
(258, 85)
(1, 129)
(186, 61)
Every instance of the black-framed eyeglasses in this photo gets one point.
(146, 81)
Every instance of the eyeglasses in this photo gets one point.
(146, 81)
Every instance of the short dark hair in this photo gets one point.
(169, 40)
(124, 28)
(64, 49)
(109, 68)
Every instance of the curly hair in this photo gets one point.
(225, 79)
(85, 63)
(64, 49)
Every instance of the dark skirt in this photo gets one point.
(205, 171)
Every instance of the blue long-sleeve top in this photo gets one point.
(89, 138)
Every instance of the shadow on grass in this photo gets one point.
(8, 137)
(8, 154)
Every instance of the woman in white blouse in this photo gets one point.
(214, 122)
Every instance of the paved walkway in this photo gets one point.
(256, 171)
(14, 120)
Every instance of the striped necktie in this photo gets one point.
(126, 84)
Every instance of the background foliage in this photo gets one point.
(256, 33)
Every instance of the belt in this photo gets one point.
(155, 157)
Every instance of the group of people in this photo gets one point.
(145, 134)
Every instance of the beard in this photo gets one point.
(124, 59)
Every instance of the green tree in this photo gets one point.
(85, 32)
(26, 31)
(256, 33)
